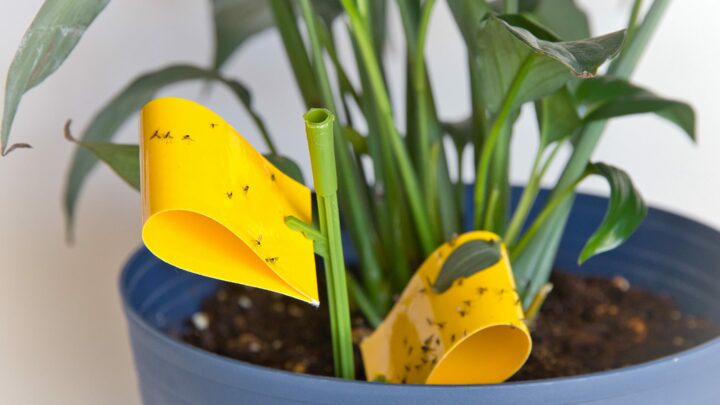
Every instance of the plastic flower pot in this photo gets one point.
(669, 254)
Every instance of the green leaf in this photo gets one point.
(607, 97)
(468, 15)
(124, 160)
(582, 57)
(287, 166)
(467, 259)
(563, 17)
(52, 35)
(530, 23)
(625, 212)
(106, 123)
(504, 50)
(235, 22)
(557, 117)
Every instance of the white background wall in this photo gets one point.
(62, 333)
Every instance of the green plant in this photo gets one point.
(518, 52)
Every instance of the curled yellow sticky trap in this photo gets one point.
(213, 205)
(472, 333)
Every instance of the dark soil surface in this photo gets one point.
(586, 325)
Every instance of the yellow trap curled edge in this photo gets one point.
(213, 205)
(473, 333)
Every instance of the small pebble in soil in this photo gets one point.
(200, 321)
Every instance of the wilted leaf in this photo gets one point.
(625, 212)
(235, 22)
(106, 123)
(52, 35)
(467, 259)
(607, 97)
(287, 166)
(124, 160)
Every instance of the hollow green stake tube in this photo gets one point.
(319, 129)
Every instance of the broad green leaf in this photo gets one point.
(287, 166)
(625, 212)
(607, 97)
(563, 17)
(52, 35)
(469, 15)
(467, 259)
(557, 117)
(235, 22)
(504, 51)
(106, 123)
(124, 160)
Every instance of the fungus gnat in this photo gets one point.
(246, 188)
(167, 135)
(213, 125)
(155, 135)
(229, 195)
(258, 241)
(272, 260)
(187, 137)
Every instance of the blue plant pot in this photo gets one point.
(669, 254)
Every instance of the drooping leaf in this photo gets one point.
(582, 57)
(530, 23)
(467, 259)
(106, 123)
(235, 22)
(607, 97)
(287, 166)
(503, 51)
(557, 117)
(124, 160)
(625, 212)
(52, 35)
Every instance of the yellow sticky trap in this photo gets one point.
(473, 333)
(214, 206)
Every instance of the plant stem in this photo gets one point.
(421, 96)
(295, 49)
(359, 215)
(493, 134)
(510, 6)
(319, 128)
(363, 302)
(529, 194)
(537, 301)
(632, 22)
(546, 212)
(418, 209)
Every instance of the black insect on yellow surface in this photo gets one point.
(258, 241)
(167, 135)
(440, 325)
(155, 135)
(246, 188)
(482, 290)
(229, 195)
(272, 176)
(272, 260)
(213, 125)
(187, 137)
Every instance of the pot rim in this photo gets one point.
(177, 345)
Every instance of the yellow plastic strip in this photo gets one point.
(473, 333)
(214, 206)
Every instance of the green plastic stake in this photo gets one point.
(319, 129)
